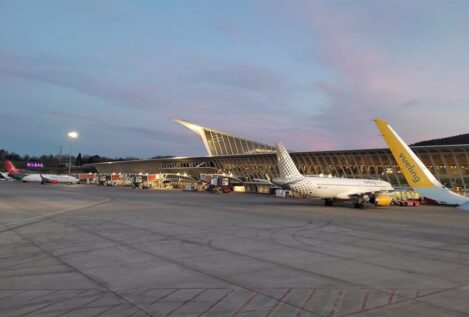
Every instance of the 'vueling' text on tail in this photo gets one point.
(410, 168)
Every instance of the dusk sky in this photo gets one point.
(310, 74)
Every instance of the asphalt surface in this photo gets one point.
(93, 251)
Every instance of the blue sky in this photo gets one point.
(310, 74)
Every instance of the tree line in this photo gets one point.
(452, 140)
(56, 161)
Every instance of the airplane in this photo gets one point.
(24, 176)
(416, 173)
(327, 188)
(5, 177)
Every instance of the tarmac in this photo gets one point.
(83, 250)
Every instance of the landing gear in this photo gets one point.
(328, 202)
(358, 205)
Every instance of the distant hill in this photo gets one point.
(458, 139)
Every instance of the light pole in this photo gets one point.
(72, 135)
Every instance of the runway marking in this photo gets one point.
(336, 303)
(163, 297)
(182, 264)
(43, 295)
(216, 303)
(392, 302)
(83, 305)
(142, 292)
(82, 273)
(111, 308)
(392, 296)
(17, 293)
(37, 219)
(186, 302)
(250, 298)
(335, 300)
(420, 292)
(281, 299)
(365, 300)
(53, 303)
(306, 302)
(156, 300)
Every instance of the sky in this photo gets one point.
(310, 74)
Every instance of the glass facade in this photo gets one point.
(221, 144)
(249, 160)
(450, 164)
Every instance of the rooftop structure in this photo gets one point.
(219, 143)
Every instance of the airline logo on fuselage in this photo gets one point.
(410, 168)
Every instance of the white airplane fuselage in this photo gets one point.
(327, 188)
(333, 187)
(50, 178)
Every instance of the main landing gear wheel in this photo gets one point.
(358, 205)
(328, 202)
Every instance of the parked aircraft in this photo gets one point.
(327, 188)
(24, 176)
(5, 177)
(416, 173)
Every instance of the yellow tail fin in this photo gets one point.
(415, 172)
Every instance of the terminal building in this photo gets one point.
(247, 162)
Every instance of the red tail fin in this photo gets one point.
(11, 168)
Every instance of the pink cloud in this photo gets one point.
(420, 91)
